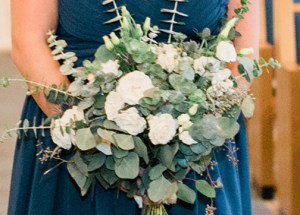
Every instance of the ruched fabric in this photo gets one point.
(81, 25)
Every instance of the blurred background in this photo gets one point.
(273, 133)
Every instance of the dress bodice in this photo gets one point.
(81, 21)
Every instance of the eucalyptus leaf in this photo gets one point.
(85, 139)
(129, 167)
(110, 125)
(124, 141)
(157, 189)
(203, 187)
(102, 181)
(186, 194)
(118, 152)
(141, 149)
(86, 103)
(106, 135)
(96, 161)
(104, 55)
(248, 107)
(109, 175)
(172, 189)
(87, 185)
(157, 171)
(109, 163)
(167, 154)
(78, 170)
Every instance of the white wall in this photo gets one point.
(5, 41)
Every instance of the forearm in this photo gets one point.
(249, 28)
(31, 20)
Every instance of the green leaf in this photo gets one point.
(157, 171)
(186, 150)
(186, 194)
(226, 129)
(183, 107)
(85, 139)
(78, 170)
(200, 148)
(104, 55)
(109, 175)
(87, 185)
(106, 135)
(248, 107)
(175, 81)
(146, 178)
(109, 163)
(129, 167)
(86, 103)
(118, 152)
(102, 181)
(96, 161)
(141, 149)
(110, 125)
(158, 188)
(203, 187)
(124, 141)
(167, 153)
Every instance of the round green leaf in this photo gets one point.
(129, 167)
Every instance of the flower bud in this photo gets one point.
(108, 43)
(146, 25)
(187, 125)
(230, 24)
(139, 29)
(124, 10)
(114, 39)
(193, 110)
(246, 51)
(183, 118)
(125, 23)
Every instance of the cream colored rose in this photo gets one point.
(202, 63)
(132, 86)
(167, 57)
(226, 52)
(131, 121)
(111, 66)
(72, 115)
(185, 137)
(221, 78)
(162, 128)
(64, 140)
(112, 105)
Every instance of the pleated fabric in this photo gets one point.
(81, 25)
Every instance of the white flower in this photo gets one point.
(91, 78)
(132, 86)
(131, 121)
(162, 129)
(183, 118)
(105, 148)
(220, 76)
(138, 200)
(185, 137)
(64, 140)
(204, 62)
(226, 52)
(167, 57)
(72, 115)
(113, 104)
(111, 66)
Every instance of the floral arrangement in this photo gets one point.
(143, 114)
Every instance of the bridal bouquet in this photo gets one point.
(143, 114)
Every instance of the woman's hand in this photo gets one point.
(249, 28)
(31, 20)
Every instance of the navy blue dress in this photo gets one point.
(81, 25)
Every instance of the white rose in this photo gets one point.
(132, 86)
(112, 105)
(226, 52)
(111, 66)
(105, 148)
(131, 121)
(167, 57)
(201, 63)
(64, 140)
(162, 129)
(220, 76)
(185, 137)
(72, 115)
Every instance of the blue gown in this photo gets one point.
(81, 25)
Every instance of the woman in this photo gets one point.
(79, 22)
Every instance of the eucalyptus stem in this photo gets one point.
(44, 86)
(117, 11)
(172, 22)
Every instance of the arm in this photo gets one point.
(31, 20)
(249, 28)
